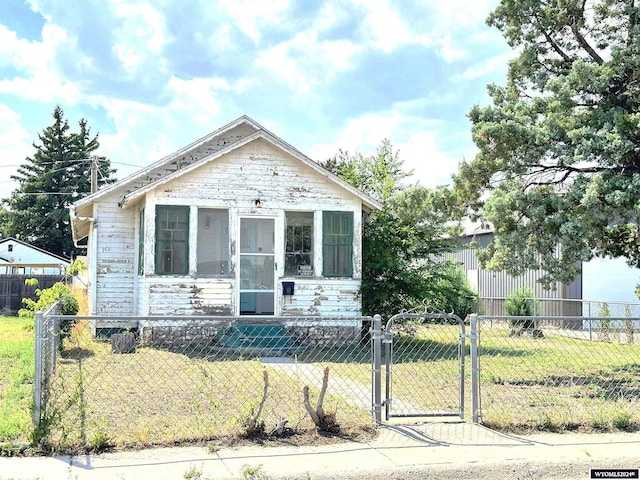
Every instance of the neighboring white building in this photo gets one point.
(20, 258)
(237, 223)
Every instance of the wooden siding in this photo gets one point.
(115, 260)
(339, 297)
(176, 296)
(256, 171)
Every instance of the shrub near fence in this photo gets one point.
(227, 383)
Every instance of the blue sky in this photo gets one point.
(151, 77)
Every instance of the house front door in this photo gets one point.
(257, 266)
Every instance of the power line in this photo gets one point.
(53, 162)
(126, 164)
(48, 193)
(100, 159)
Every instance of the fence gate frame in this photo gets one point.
(380, 338)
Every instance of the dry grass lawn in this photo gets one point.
(156, 396)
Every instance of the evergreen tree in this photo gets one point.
(58, 173)
(558, 168)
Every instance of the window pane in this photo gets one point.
(337, 244)
(257, 272)
(298, 256)
(172, 239)
(213, 241)
(257, 236)
(256, 303)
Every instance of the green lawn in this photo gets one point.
(558, 382)
(16, 378)
(551, 383)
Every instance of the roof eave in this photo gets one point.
(165, 160)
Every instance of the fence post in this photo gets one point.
(54, 344)
(376, 338)
(37, 380)
(475, 370)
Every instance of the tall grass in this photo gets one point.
(16, 378)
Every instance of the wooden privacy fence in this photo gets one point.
(13, 289)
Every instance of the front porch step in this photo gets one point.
(271, 339)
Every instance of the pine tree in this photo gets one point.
(58, 173)
(558, 167)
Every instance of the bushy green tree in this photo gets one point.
(58, 173)
(404, 242)
(558, 168)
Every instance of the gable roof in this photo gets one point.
(29, 255)
(226, 139)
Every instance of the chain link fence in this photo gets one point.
(174, 379)
(138, 381)
(557, 374)
(554, 307)
(424, 366)
(47, 343)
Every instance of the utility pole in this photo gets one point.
(94, 173)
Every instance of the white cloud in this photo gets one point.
(143, 134)
(252, 18)
(141, 35)
(146, 133)
(361, 134)
(449, 51)
(13, 51)
(15, 146)
(487, 67)
(197, 98)
(451, 24)
(431, 167)
(39, 80)
(385, 29)
(462, 13)
(415, 138)
(304, 62)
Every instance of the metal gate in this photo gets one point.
(424, 356)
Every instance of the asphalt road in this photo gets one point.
(549, 470)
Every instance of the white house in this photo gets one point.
(20, 258)
(19, 261)
(237, 223)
